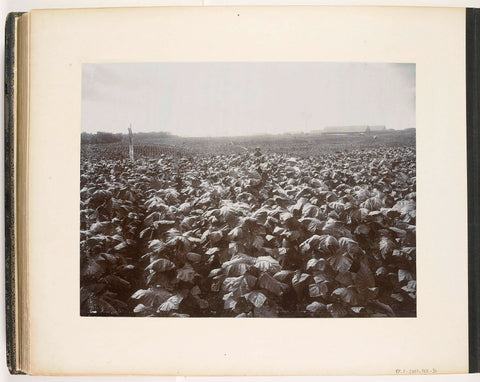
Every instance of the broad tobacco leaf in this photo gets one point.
(256, 298)
(386, 246)
(316, 307)
(349, 295)
(268, 264)
(268, 282)
(161, 265)
(187, 273)
(318, 290)
(171, 304)
(341, 262)
(239, 285)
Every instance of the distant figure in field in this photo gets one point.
(258, 156)
(374, 137)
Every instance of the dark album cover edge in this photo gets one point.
(9, 177)
(473, 169)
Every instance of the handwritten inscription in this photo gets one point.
(416, 371)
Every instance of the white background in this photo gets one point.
(25, 5)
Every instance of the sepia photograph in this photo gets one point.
(248, 189)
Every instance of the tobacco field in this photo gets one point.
(231, 234)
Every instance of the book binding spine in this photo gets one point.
(10, 202)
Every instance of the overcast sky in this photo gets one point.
(211, 99)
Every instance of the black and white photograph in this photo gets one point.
(248, 189)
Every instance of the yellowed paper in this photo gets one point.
(62, 342)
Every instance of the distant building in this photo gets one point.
(294, 133)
